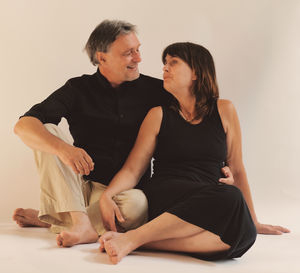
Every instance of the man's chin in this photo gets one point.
(133, 77)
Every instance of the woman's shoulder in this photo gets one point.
(227, 113)
(153, 120)
(155, 111)
(225, 107)
(155, 115)
(224, 103)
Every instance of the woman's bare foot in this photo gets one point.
(117, 245)
(79, 234)
(28, 218)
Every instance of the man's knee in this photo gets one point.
(134, 208)
(57, 131)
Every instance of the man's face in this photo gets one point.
(120, 62)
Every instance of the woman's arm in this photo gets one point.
(133, 169)
(232, 129)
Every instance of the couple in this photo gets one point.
(188, 130)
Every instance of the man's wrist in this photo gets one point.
(59, 146)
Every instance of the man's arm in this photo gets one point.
(234, 158)
(33, 133)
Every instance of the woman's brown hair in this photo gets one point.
(205, 87)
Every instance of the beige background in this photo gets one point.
(255, 44)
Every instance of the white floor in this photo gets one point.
(33, 250)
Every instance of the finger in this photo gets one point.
(79, 167)
(85, 166)
(225, 171)
(119, 215)
(223, 180)
(270, 231)
(274, 232)
(74, 168)
(112, 225)
(89, 161)
(227, 181)
(282, 229)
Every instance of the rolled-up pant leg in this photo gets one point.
(133, 205)
(61, 188)
(63, 191)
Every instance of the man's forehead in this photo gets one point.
(126, 42)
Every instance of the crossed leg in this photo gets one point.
(166, 232)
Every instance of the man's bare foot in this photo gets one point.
(80, 234)
(117, 245)
(28, 218)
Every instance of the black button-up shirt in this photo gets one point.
(104, 121)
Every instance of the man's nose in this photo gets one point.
(137, 57)
(165, 68)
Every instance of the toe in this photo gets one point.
(59, 240)
(19, 211)
(114, 259)
(107, 236)
(110, 249)
(20, 220)
(101, 247)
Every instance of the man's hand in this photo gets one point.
(109, 211)
(77, 158)
(269, 229)
(228, 176)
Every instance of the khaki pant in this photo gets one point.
(63, 191)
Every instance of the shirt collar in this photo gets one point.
(106, 83)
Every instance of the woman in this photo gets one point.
(189, 209)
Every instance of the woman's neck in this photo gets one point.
(187, 106)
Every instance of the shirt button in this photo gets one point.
(121, 115)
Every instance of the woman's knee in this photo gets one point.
(233, 194)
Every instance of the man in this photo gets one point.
(104, 112)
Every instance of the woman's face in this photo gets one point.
(178, 76)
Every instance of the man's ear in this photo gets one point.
(100, 57)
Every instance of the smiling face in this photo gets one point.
(120, 62)
(178, 76)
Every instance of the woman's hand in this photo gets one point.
(269, 229)
(109, 211)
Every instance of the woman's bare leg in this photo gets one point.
(203, 242)
(166, 232)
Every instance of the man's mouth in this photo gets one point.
(132, 67)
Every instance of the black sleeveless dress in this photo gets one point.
(187, 166)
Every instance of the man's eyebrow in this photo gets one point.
(129, 49)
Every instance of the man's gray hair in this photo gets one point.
(104, 35)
